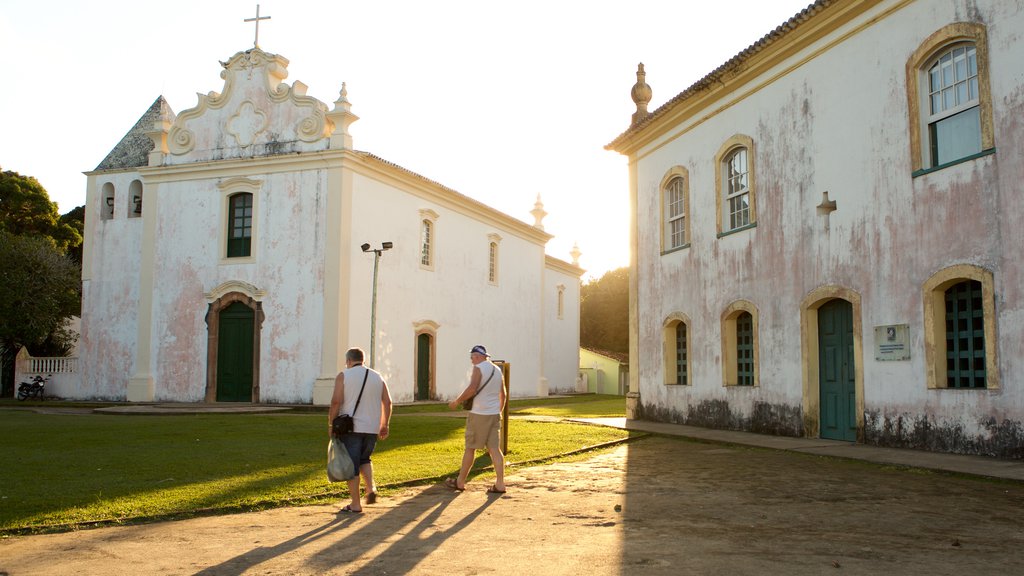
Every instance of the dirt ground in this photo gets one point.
(654, 506)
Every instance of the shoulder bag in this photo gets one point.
(343, 423)
(468, 403)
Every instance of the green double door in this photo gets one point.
(235, 354)
(836, 366)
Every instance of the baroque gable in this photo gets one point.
(256, 114)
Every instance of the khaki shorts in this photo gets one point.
(483, 431)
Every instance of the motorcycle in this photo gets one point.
(34, 389)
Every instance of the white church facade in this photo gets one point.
(827, 236)
(224, 261)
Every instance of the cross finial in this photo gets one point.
(256, 42)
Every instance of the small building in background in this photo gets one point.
(603, 372)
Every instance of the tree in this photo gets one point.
(75, 218)
(40, 289)
(40, 272)
(604, 312)
(26, 210)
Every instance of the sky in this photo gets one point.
(500, 101)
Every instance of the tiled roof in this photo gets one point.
(622, 358)
(133, 150)
(732, 64)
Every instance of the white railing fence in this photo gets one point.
(64, 378)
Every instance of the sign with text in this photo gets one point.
(892, 342)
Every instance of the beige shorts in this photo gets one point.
(483, 431)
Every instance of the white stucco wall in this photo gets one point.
(110, 292)
(561, 334)
(455, 293)
(834, 117)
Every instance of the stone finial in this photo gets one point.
(342, 117)
(575, 253)
(641, 94)
(538, 213)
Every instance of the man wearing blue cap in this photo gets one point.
(483, 425)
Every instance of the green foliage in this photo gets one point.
(40, 288)
(604, 312)
(26, 210)
(62, 469)
(76, 220)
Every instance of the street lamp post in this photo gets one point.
(373, 303)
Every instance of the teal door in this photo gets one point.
(423, 344)
(836, 366)
(235, 354)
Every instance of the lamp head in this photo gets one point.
(386, 246)
(365, 247)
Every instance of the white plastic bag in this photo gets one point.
(339, 464)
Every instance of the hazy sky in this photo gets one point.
(500, 101)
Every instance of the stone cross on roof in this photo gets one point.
(256, 41)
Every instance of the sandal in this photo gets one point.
(453, 484)
(349, 510)
(494, 490)
(371, 497)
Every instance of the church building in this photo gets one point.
(234, 251)
(827, 231)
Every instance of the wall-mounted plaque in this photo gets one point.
(892, 342)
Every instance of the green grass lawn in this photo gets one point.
(61, 470)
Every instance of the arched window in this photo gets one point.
(735, 185)
(959, 329)
(740, 345)
(561, 301)
(950, 103)
(107, 201)
(676, 350)
(675, 210)
(135, 197)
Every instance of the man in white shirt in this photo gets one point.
(483, 425)
(362, 393)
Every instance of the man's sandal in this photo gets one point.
(453, 484)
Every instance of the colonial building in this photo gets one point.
(827, 231)
(233, 252)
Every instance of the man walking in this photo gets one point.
(363, 394)
(483, 425)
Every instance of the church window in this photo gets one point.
(239, 225)
(428, 237)
(735, 185)
(107, 202)
(427, 244)
(740, 345)
(135, 199)
(675, 210)
(677, 350)
(950, 104)
(492, 258)
(960, 329)
(561, 301)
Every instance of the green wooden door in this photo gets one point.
(423, 342)
(838, 395)
(235, 354)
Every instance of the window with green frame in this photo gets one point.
(745, 349)
(965, 336)
(239, 225)
(681, 359)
